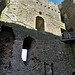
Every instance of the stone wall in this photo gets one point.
(48, 54)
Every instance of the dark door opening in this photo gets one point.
(27, 42)
(26, 51)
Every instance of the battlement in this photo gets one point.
(43, 6)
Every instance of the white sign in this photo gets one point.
(24, 54)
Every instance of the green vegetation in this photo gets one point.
(7, 6)
(1, 17)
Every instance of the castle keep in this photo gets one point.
(36, 26)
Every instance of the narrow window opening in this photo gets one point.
(52, 68)
(62, 32)
(48, 7)
(40, 24)
(45, 6)
(27, 43)
(37, 2)
(45, 67)
(26, 51)
(41, 4)
(52, 9)
(62, 18)
(55, 10)
(40, 13)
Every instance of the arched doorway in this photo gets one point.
(27, 43)
(40, 24)
(26, 51)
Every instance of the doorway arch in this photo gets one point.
(40, 24)
(26, 51)
(27, 43)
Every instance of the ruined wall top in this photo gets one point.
(42, 5)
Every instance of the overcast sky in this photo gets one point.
(56, 1)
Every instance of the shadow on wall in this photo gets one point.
(3, 4)
(7, 38)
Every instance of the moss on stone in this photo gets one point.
(2, 14)
(1, 17)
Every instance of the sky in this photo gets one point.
(56, 1)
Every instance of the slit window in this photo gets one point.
(62, 32)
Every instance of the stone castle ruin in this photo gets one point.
(44, 31)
